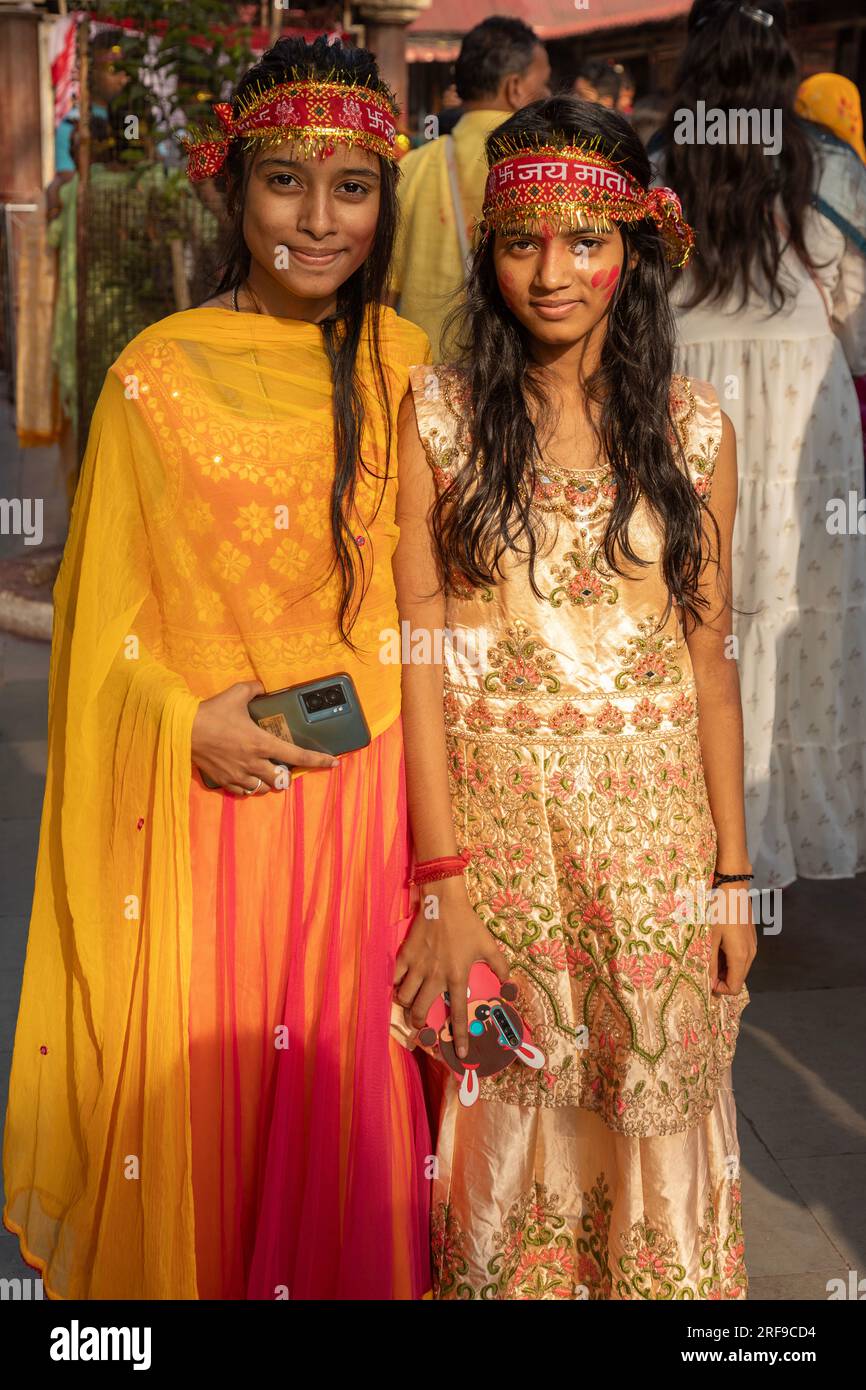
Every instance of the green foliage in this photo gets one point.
(194, 52)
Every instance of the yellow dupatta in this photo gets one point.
(177, 580)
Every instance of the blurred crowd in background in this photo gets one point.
(771, 310)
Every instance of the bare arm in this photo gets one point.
(438, 951)
(720, 715)
(421, 603)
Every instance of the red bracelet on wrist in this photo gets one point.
(449, 866)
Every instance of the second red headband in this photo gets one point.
(552, 185)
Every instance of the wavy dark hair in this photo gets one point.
(728, 192)
(292, 58)
(484, 513)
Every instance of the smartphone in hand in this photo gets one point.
(324, 715)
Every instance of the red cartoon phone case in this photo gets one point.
(498, 1035)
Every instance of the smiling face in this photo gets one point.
(559, 286)
(309, 223)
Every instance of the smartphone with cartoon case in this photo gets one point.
(498, 1035)
(324, 715)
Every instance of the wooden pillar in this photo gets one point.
(21, 126)
(385, 24)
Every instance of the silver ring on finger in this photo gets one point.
(251, 791)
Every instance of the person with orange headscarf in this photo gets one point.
(208, 1097)
(831, 104)
(831, 100)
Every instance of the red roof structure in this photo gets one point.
(435, 34)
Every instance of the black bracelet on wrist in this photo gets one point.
(730, 878)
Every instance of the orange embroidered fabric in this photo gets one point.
(198, 535)
(239, 409)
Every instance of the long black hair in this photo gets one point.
(486, 512)
(733, 61)
(288, 60)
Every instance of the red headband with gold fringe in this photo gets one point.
(555, 185)
(316, 114)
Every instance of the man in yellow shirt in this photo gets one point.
(502, 66)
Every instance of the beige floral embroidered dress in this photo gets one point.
(578, 789)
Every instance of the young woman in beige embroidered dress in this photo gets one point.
(582, 741)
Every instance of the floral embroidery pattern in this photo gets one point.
(230, 563)
(582, 580)
(536, 1256)
(651, 1266)
(559, 719)
(457, 587)
(575, 496)
(442, 455)
(254, 502)
(700, 454)
(581, 746)
(578, 793)
(289, 559)
(649, 659)
(544, 1253)
(209, 607)
(264, 603)
(520, 663)
(184, 558)
(614, 985)
(255, 523)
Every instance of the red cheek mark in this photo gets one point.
(597, 279)
(611, 280)
(507, 278)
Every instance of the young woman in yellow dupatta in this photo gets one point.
(207, 1096)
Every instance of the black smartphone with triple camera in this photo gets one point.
(324, 715)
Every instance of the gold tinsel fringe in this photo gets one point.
(242, 107)
(559, 145)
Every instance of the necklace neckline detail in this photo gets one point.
(548, 472)
(257, 308)
(260, 313)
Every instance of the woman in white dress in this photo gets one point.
(773, 314)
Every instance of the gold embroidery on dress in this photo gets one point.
(578, 791)
(574, 494)
(520, 663)
(544, 1251)
(584, 580)
(649, 659)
